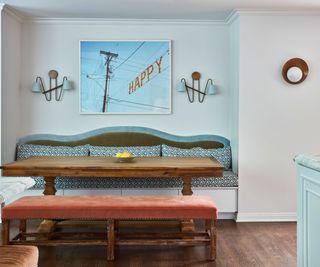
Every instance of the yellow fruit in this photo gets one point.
(124, 154)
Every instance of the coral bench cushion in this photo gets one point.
(111, 207)
(19, 256)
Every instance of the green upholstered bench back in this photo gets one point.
(127, 136)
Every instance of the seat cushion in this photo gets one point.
(229, 179)
(19, 256)
(107, 207)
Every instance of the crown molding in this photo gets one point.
(232, 16)
(237, 13)
(12, 13)
(277, 12)
(95, 21)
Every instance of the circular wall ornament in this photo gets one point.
(295, 71)
(53, 74)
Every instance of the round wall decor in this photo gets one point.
(295, 71)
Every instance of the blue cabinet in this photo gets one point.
(308, 224)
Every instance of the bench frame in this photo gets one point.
(115, 237)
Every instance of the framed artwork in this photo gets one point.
(125, 77)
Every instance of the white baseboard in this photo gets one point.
(227, 216)
(266, 217)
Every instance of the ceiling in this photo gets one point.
(150, 9)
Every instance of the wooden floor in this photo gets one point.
(242, 244)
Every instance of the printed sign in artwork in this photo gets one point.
(125, 77)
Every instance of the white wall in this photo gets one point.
(234, 33)
(10, 85)
(276, 120)
(54, 45)
(1, 10)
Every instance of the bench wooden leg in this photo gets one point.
(111, 241)
(116, 226)
(211, 224)
(5, 232)
(23, 228)
(187, 226)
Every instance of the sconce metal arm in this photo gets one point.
(48, 97)
(194, 89)
(200, 93)
(58, 98)
(52, 89)
(196, 83)
(205, 91)
(191, 98)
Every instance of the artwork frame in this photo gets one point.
(151, 87)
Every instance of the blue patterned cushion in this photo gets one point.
(223, 155)
(137, 151)
(27, 150)
(229, 179)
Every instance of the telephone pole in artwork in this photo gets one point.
(108, 57)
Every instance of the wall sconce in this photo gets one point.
(208, 90)
(295, 71)
(38, 87)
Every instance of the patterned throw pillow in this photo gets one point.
(27, 150)
(223, 155)
(137, 151)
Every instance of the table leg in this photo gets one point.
(49, 185)
(47, 226)
(187, 225)
(187, 190)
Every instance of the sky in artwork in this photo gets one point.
(138, 76)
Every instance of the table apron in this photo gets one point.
(113, 173)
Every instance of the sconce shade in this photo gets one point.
(67, 85)
(211, 89)
(181, 87)
(36, 87)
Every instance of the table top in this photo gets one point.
(107, 166)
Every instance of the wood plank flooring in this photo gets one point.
(239, 244)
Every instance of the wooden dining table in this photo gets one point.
(51, 167)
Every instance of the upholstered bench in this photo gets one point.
(140, 142)
(19, 256)
(112, 209)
